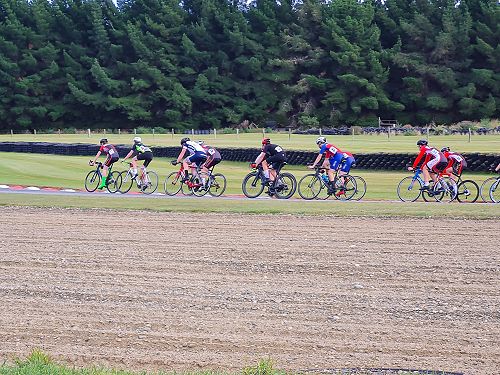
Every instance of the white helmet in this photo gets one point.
(137, 140)
(201, 143)
(320, 140)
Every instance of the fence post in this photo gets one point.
(427, 134)
(389, 133)
(119, 132)
(192, 132)
(469, 134)
(34, 132)
(215, 133)
(135, 131)
(11, 132)
(352, 128)
(88, 133)
(289, 133)
(173, 133)
(59, 131)
(263, 132)
(237, 133)
(104, 131)
(320, 132)
(153, 132)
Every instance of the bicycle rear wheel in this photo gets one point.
(173, 183)
(114, 182)
(360, 188)
(345, 187)
(495, 191)
(217, 185)
(126, 182)
(285, 185)
(409, 189)
(484, 191)
(149, 182)
(467, 191)
(309, 186)
(252, 185)
(92, 181)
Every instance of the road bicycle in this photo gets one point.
(175, 181)
(317, 185)
(147, 182)
(490, 190)
(412, 187)
(94, 178)
(283, 186)
(211, 183)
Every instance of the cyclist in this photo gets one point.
(456, 163)
(337, 159)
(271, 154)
(139, 152)
(434, 163)
(112, 156)
(213, 156)
(197, 155)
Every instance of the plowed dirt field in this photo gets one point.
(148, 291)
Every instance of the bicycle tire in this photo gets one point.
(92, 181)
(114, 182)
(408, 189)
(173, 183)
(484, 190)
(309, 186)
(467, 191)
(200, 191)
(126, 182)
(348, 190)
(495, 191)
(360, 188)
(287, 187)
(217, 185)
(251, 181)
(150, 183)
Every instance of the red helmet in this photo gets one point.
(266, 141)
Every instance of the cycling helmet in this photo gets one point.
(184, 140)
(422, 142)
(137, 140)
(266, 141)
(445, 149)
(201, 143)
(320, 140)
(103, 141)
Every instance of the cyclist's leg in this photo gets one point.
(267, 173)
(334, 165)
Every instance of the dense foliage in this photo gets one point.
(216, 63)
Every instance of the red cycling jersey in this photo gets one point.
(456, 161)
(329, 150)
(430, 154)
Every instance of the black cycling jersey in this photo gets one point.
(272, 149)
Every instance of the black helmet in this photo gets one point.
(266, 141)
(103, 141)
(184, 140)
(422, 142)
(445, 149)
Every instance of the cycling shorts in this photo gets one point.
(346, 165)
(110, 160)
(436, 166)
(146, 156)
(335, 161)
(213, 162)
(198, 158)
(276, 161)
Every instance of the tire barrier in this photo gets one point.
(381, 161)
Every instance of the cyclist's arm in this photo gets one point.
(181, 155)
(97, 156)
(419, 157)
(260, 158)
(129, 154)
(318, 158)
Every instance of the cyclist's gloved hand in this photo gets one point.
(253, 165)
(173, 162)
(91, 162)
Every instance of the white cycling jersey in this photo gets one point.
(194, 147)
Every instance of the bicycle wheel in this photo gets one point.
(467, 191)
(126, 182)
(285, 185)
(484, 191)
(309, 186)
(252, 185)
(345, 190)
(173, 183)
(445, 190)
(149, 182)
(409, 189)
(114, 182)
(200, 182)
(217, 185)
(495, 191)
(92, 181)
(360, 188)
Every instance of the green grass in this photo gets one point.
(356, 144)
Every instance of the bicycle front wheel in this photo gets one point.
(114, 182)
(92, 181)
(467, 191)
(126, 182)
(149, 182)
(173, 183)
(484, 191)
(252, 185)
(360, 188)
(409, 189)
(217, 185)
(309, 186)
(495, 191)
(285, 185)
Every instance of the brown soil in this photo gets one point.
(173, 291)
